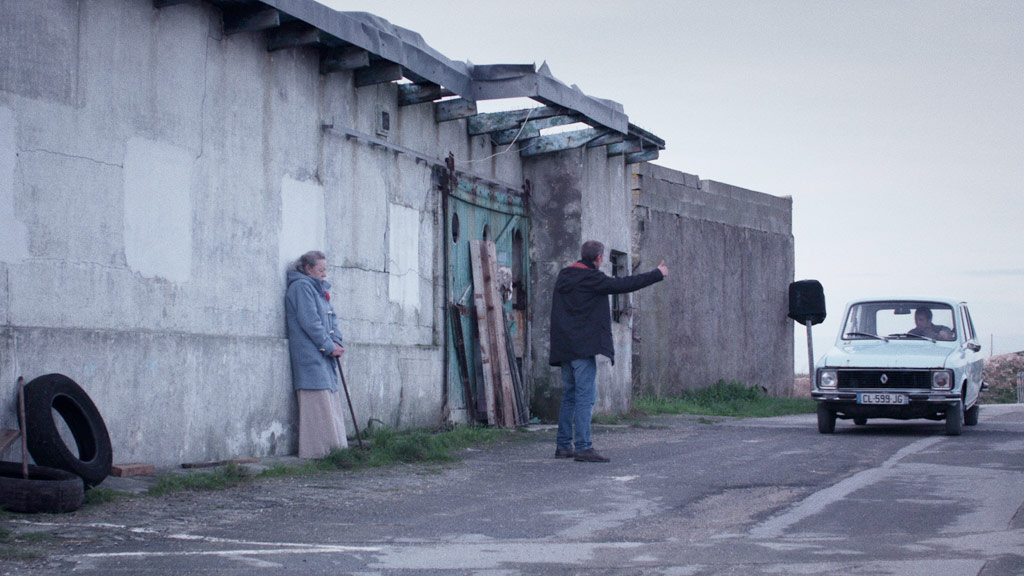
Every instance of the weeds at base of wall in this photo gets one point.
(731, 399)
(385, 447)
(229, 476)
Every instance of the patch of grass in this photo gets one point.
(725, 399)
(19, 547)
(385, 447)
(388, 447)
(222, 478)
(102, 496)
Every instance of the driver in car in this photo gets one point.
(923, 320)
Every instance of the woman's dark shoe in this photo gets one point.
(561, 453)
(590, 456)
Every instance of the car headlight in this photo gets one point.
(827, 379)
(942, 380)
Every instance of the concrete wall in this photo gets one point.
(156, 177)
(576, 195)
(730, 255)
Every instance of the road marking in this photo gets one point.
(815, 503)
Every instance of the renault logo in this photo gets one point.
(884, 378)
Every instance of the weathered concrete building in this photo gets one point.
(161, 162)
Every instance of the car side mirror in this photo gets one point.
(973, 345)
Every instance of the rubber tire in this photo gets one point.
(955, 420)
(58, 392)
(826, 420)
(860, 421)
(971, 415)
(45, 490)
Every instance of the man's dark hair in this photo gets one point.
(591, 250)
(923, 311)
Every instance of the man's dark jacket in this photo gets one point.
(581, 317)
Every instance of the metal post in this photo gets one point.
(810, 354)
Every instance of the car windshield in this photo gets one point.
(903, 319)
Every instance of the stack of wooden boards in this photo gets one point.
(504, 392)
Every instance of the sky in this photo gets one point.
(897, 127)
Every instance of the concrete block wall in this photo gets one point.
(576, 195)
(156, 176)
(731, 260)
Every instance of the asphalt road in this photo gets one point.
(681, 496)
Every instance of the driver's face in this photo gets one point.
(922, 321)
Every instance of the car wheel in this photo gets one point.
(57, 393)
(971, 415)
(860, 420)
(955, 419)
(826, 420)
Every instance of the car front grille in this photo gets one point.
(885, 379)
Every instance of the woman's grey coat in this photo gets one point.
(312, 332)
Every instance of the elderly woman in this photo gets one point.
(314, 343)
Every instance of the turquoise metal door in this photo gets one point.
(479, 211)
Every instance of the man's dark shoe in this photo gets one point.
(563, 453)
(590, 456)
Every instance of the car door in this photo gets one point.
(975, 360)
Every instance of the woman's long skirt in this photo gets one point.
(321, 423)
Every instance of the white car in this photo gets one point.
(901, 358)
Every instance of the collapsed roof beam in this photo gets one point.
(511, 81)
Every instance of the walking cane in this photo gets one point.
(24, 431)
(349, 398)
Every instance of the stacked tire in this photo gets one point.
(59, 480)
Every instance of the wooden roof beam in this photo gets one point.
(418, 93)
(498, 121)
(627, 146)
(506, 137)
(251, 21)
(343, 58)
(378, 73)
(643, 156)
(454, 109)
(560, 141)
(609, 138)
(295, 35)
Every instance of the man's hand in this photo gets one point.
(663, 268)
(337, 352)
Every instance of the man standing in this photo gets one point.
(581, 328)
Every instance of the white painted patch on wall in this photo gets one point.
(404, 256)
(158, 209)
(270, 440)
(303, 220)
(13, 233)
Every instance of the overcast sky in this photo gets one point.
(896, 127)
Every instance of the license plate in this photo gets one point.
(881, 398)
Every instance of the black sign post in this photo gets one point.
(807, 306)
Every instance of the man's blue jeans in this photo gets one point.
(578, 395)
